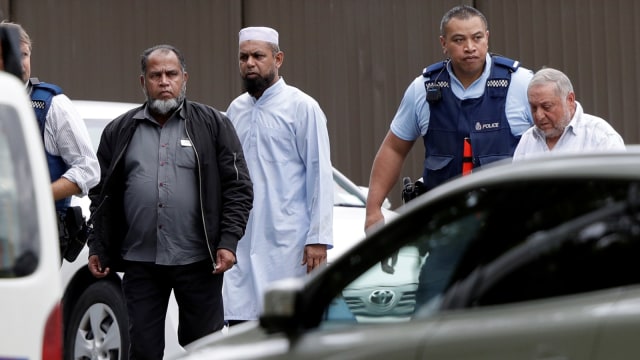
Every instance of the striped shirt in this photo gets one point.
(66, 135)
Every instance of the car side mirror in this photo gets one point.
(280, 304)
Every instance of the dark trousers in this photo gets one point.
(147, 289)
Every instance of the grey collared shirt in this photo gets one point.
(161, 196)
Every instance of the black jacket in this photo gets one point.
(226, 191)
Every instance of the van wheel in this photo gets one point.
(98, 326)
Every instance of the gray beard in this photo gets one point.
(164, 107)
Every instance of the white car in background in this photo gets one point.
(95, 313)
(30, 286)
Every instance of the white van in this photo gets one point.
(30, 284)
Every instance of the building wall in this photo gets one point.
(356, 57)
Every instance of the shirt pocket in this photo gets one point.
(276, 145)
(185, 156)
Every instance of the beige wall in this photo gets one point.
(356, 57)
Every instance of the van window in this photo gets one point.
(19, 246)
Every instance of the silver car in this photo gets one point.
(532, 260)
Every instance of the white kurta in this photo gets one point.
(286, 145)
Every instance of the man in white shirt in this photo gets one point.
(284, 135)
(561, 126)
(73, 164)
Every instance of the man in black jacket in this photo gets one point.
(172, 203)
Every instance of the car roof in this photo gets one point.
(592, 165)
(107, 109)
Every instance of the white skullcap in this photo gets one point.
(260, 33)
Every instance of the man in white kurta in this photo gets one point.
(286, 145)
(561, 126)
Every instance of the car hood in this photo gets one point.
(348, 228)
(229, 344)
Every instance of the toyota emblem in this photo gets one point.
(382, 298)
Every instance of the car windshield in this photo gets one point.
(493, 245)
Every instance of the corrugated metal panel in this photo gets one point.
(92, 47)
(356, 57)
(4, 9)
(595, 42)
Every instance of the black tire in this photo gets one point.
(98, 325)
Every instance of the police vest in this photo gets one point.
(41, 96)
(482, 120)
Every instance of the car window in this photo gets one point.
(594, 251)
(496, 245)
(19, 248)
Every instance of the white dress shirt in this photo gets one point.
(584, 133)
(66, 135)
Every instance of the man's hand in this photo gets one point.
(384, 174)
(314, 256)
(225, 259)
(96, 268)
(373, 217)
(388, 264)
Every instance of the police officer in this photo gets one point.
(73, 165)
(471, 99)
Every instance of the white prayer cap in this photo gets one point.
(260, 33)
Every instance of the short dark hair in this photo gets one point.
(144, 58)
(461, 12)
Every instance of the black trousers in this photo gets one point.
(147, 289)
